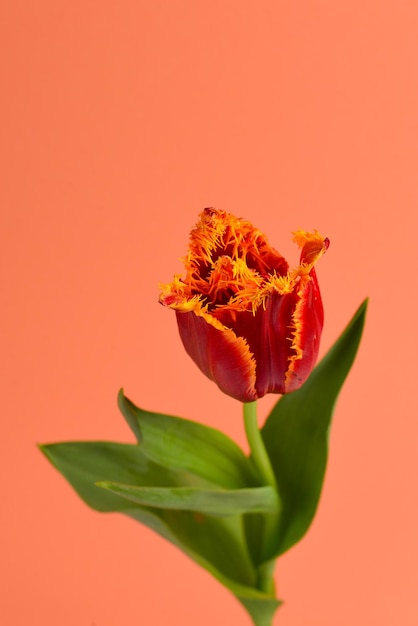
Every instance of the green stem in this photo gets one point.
(265, 471)
(258, 450)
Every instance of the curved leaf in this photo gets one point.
(83, 463)
(217, 544)
(296, 434)
(187, 446)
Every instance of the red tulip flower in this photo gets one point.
(250, 324)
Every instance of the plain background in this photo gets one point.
(120, 122)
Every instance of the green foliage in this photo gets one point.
(216, 543)
(204, 453)
(296, 435)
(195, 487)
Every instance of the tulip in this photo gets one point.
(250, 323)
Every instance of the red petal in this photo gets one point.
(274, 345)
(308, 318)
(268, 334)
(219, 353)
(283, 336)
(313, 246)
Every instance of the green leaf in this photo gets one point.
(219, 503)
(84, 463)
(183, 445)
(296, 435)
(217, 544)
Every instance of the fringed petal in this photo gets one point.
(313, 246)
(219, 353)
(306, 322)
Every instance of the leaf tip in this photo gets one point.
(127, 408)
(359, 316)
(44, 449)
(363, 306)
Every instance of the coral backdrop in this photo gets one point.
(120, 122)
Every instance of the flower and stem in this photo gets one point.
(250, 324)
(253, 326)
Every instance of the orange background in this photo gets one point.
(120, 122)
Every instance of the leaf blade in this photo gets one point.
(188, 446)
(84, 463)
(216, 544)
(296, 434)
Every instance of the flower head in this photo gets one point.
(249, 323)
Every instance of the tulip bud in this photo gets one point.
(248, 322)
